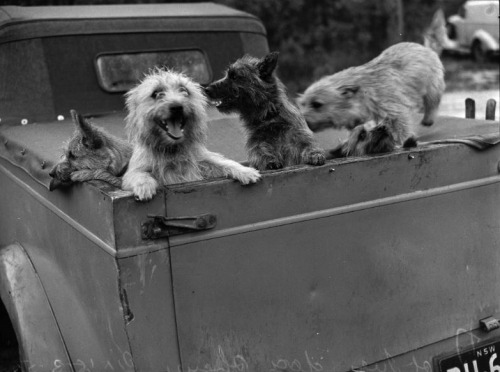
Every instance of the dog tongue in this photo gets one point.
(175, 129)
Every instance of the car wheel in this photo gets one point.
(478, 52)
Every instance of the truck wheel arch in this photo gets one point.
(38, 336)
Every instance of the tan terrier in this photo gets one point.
(167, 125)
(91, 154)
(401, 80)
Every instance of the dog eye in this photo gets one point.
(156, 94)
(70, 155)
(231, 75)
(316, 105)
(184, 91)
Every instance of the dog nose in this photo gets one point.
(52, 172)
(176, 110)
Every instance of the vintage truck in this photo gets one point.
(385, 263)
(474, 30)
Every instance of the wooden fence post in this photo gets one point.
(470, 108)
(491, 105)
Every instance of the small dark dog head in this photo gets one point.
(366, 140)
(85, 150)
(249, 83)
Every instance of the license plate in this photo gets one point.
(482, 358)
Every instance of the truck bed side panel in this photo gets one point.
(340, 265)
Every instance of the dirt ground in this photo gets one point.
(468, 79)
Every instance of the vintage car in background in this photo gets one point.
(381, 263)
(475, 29)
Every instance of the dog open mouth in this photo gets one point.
(221, 103)
(216, 102)
(173, 128)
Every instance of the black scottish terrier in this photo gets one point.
(278, 133)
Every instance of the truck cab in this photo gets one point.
(373, 263)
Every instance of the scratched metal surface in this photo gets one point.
(291, 273)
(250, 293)
(76, 268)
(303, 190)
(21, 292)
(146, 279)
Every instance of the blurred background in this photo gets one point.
(320, 37)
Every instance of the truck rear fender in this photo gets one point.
(41, 346)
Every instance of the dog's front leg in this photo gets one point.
(263, 157)
(95, 174)
(141, 183)
(137, 178)
(313, 155)
(216, 165)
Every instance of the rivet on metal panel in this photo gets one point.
(205, 221)
(410, 156)
(489, 324)
(331, 170)
(24, 121)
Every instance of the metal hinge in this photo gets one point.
(160, 226)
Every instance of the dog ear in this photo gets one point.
(348, 91)
(90, 137)
(267, 65)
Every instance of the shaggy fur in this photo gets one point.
(366, 141)
(370, 139)
(167, 126)
(404, 78)
(278, 135)
(91, 154)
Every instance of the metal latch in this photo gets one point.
(160, 226)
(489, 324)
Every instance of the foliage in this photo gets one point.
(320, 37)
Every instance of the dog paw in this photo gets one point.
(316, 158)
(250, 175)
(145, 190)
(273, 165)
(410, 142)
